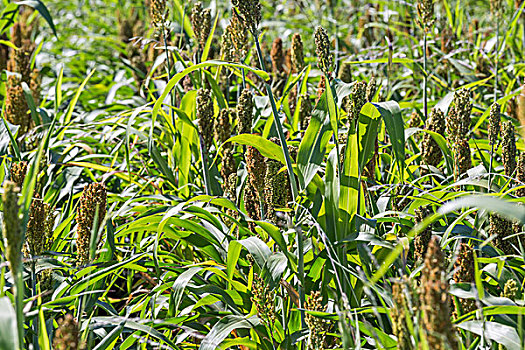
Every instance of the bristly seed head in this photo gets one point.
(324, 55)
(204, 114)
(250, 12)
(11, 226)
(509, 148)
(297, 53)
(425, 12)
(93, 197)
(356, 100)
(494, 123)
(245, 112)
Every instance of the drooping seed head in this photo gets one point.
(250, 12)
(297, 54)
(93, 198)
(509, 148)
(494, 123)
(323, 51)
(245, 112)
(12, 230)
(204, 114)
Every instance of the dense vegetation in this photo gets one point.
(274, 174)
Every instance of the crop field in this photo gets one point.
(262, 174)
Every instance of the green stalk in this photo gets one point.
(204, 157)
(497, 61)
(425, 74)
(19, 305)
(278, 126)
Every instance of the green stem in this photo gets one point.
(490, 166)
(204, 156)
(278, 126)
(425, 75)
(19, 304)
(497, 61)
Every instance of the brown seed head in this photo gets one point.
(67, 335)
(431, 151)
(345, 72)
(93, 198)
(501, 228)
(520, 174)
(18, 173)
(462, 157)
(435, 301)
(458, 120)
(39, 232)
(277, 56)
(422, 240)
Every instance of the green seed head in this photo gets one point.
(458, 120)
(205, 115)
(297, 53)
(494, 123)
(462, 157)
(13, 235)
(158, 12)
(425, 12)
(345, 72)
(39, 228)
(356, 100)
(510, 290)
(318, 327)
(250, 13)
(509, 148)
(245, 112)
(324, 56)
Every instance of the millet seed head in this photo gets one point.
(345, 72)
(462, 157)
(323, 51)
(39, 232)
(494, 123)
(500, 228)
(508, 147)
(520, 174)
(250, 13)
(425, 12)
(245, 112)
(399, 314)
(16, 106)
(277, 55)
(435, 301)
(431, 151)
(12, 230)
(93, 197)
(422, 240)
(510, 290)
(239, 36)
(371, 89)
(297, 53)
(458, 120)
(18, 172)
(223, 128)
(255, 165)
(158, 12)
(356, 100)
(67, 335)
(464, 272)
(205, 114)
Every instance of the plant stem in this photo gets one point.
(497, 61)
(19, 304)
(425, 75)
(204, 156)
(278, 126)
